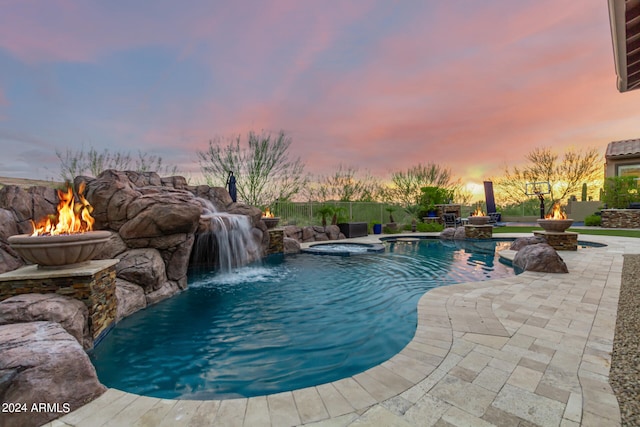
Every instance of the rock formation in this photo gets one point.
(539, 257)
(70, 313)
(313, 233)
(453, 233)
(521, 242)
(41, 363)
(155, 222)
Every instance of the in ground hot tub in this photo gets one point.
(343, 249)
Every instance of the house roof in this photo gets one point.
(626, 148)
(624, 17)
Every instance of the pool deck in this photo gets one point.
(534, 349)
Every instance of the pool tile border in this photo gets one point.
(533, 348)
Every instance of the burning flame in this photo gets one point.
(478, 212)
(267, 213)
(74, 216)
(556, 213)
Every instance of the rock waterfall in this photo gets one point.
(224, 241)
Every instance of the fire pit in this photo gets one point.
(64, 239)
(556, 221)
(61, 250)
(478, 217)
(269, 219)
(555, 226)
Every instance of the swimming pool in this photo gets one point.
(286, 324)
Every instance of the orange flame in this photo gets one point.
(556, 213)
(73, 216)
(478, 212)
(267, 213)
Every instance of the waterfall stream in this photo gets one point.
(225, 241)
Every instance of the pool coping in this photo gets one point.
(531, 348)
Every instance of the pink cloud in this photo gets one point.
(469, 86)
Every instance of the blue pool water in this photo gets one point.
(288, 323)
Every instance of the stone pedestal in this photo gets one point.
(93, 283)
(276, 241)
(565, 241)
(480, 232)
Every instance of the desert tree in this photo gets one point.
(262, 167)
(346, 184)
(566, 174)
(405, 187)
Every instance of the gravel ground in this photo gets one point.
(625, 360)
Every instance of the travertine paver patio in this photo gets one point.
(534, 349)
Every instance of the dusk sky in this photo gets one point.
(376, 85)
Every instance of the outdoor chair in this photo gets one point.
(450, 220)
(494, 217)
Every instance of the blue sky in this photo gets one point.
(375, 85)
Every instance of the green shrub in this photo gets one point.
(593, 220)
(388, 230)
(619, 191)
(426, 227)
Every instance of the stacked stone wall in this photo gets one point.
(94, 285)
(566, 241)
(480, 232)
(276, 241)
(621, 218)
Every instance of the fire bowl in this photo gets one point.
(555, 225)
(61, 250)
(271, 222)
(479, 220)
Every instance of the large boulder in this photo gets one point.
(160, 214)
(333, 232)
(540, 257)
(130, 298)
(110, 195)
(166, 290)
(112, 247)
(34, 203)
(291, 246)
(217, 196)
(9, 259)
(144, 267)
(293, 231)
(8, 224)
(453, 233)
(521, 242)
(41, 363)
(70, 313)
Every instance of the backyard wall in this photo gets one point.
(578, 211)
(530, 218)
(621, 218)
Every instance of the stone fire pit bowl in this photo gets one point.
(271, 222)
(555, 225)
(61, 250)
(479, 220)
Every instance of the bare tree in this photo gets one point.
(565, 175)
(263, 169)
(346, 184)
(93, 163)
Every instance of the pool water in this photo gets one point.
(285, 324)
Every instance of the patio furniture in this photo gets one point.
(494, 217)
(450, 220)
(353, 229)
